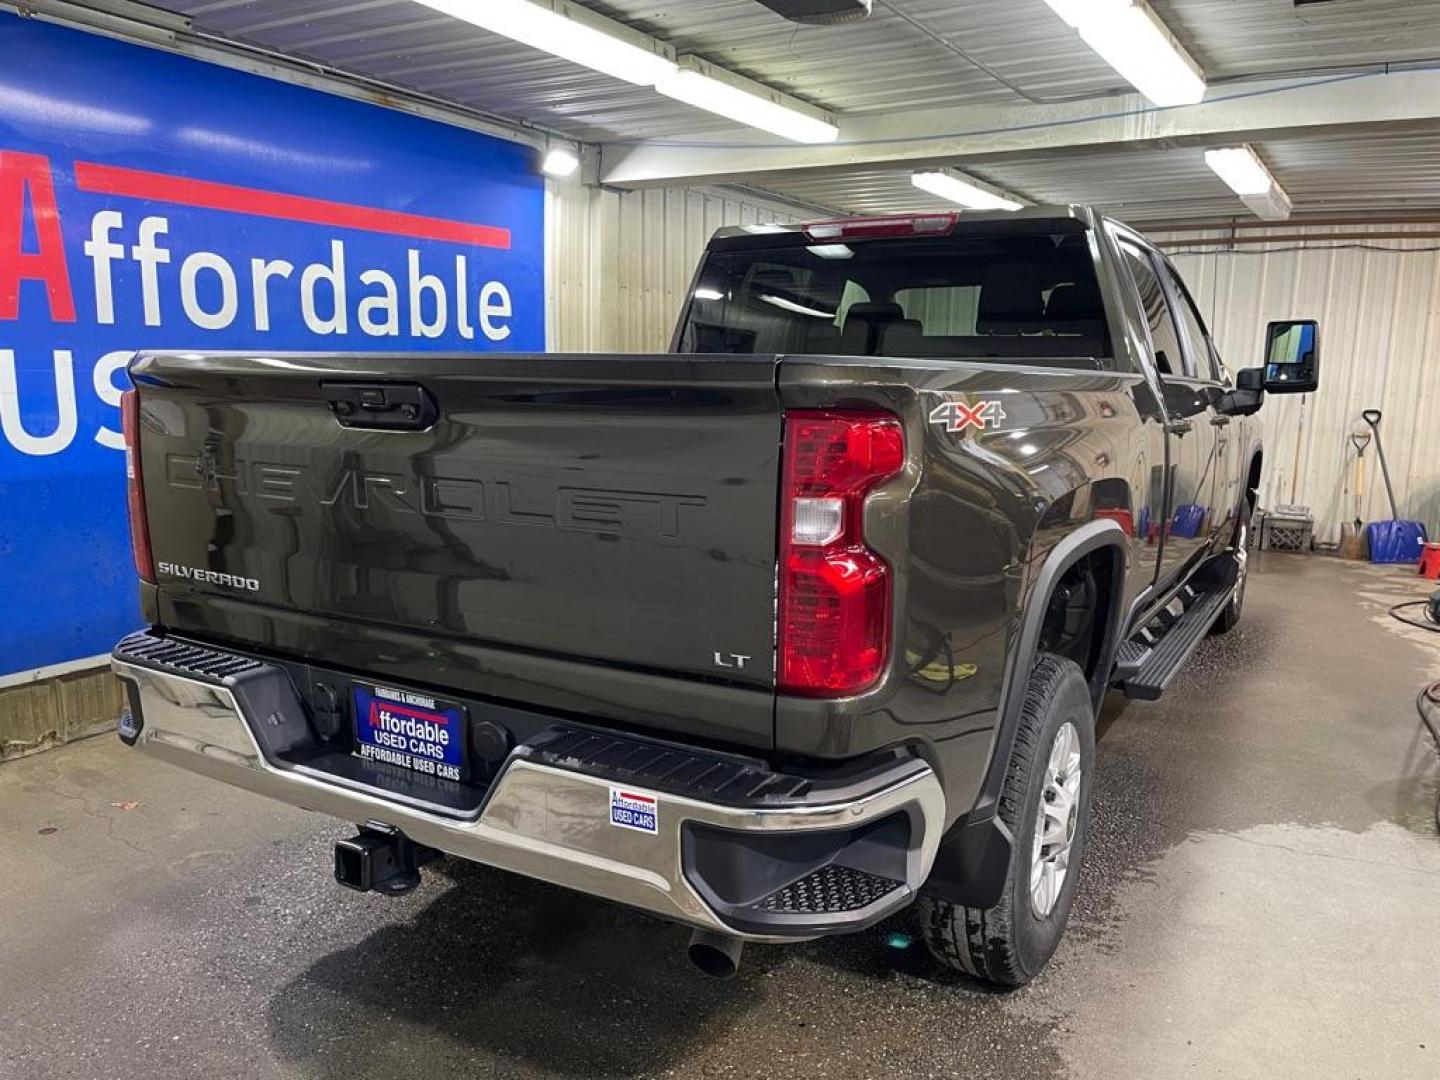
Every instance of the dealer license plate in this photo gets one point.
(410, 729)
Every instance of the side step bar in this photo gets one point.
(1143, 670)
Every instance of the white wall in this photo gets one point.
(619, 263)
(1379, 314)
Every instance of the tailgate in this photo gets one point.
(619, 509)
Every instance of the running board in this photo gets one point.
(1143, 670)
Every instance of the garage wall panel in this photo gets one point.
(1378, 304)
(620, 262)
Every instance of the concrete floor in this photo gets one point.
(1262, 899)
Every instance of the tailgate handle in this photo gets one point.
(383, 405)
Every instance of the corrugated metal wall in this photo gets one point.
(1378, 304)
(619, 263)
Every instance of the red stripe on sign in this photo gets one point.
(637, 798)
(139, 184)
(435, 718)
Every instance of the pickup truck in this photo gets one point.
(771, 635)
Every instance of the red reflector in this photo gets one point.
(879, 228)
(135, 487)
(834, 617)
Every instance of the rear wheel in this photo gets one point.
(1230, 614)
(1046, 805)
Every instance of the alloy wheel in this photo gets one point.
(1057, 820)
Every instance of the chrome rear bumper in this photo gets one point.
(546, 821)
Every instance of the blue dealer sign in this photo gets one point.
(151, 201)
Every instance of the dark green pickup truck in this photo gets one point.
(771, 635)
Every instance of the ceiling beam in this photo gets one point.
(923, 137)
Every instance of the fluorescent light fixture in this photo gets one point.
(747, 102)
(567, 30)
(798, 309)
(1132, 40)
(570, 32)
(704, 293)
(1274, 205)
(831, 251)
(964, 190)
(560, 161)
(1246, 175)
(1241, 170)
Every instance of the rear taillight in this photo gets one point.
(139, 529)
(834, 617)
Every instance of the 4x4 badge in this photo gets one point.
(957, 416)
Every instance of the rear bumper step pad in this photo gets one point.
(831, 888)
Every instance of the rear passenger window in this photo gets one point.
(1164, 336)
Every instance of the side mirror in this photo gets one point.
(1292, 357)
(1248, 395)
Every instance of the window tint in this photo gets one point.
(990, 295)
(1163, 334)
(1207, 360)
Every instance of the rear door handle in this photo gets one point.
(1179, 427)
(380, 405)
(1219, 421)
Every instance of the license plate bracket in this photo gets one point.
(410, 729)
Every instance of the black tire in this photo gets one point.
(1230, 613)
(1010, 943)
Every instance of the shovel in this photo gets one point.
(1392, 541)
(1352, 533)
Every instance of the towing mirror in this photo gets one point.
(1292, 357)
(1248, 395)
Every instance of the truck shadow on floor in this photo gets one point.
(501, 976)
(506, 978)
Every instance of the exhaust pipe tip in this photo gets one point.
(717, 955)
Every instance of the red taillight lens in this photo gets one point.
(139, 529)
(834, 619)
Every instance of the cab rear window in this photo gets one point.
(991, 297)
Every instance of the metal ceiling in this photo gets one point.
(910, 54)
(1233, 38)
(1367, 174)
(890, 61)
